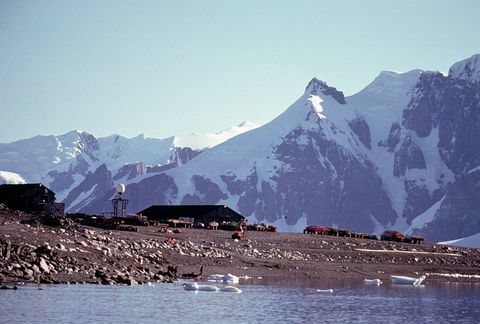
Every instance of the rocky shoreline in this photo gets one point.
(39, 249)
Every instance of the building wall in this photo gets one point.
(28, 198)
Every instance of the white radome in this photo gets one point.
(120, 188)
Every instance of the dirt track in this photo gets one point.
(33, 252)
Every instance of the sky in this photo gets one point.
(162, 68)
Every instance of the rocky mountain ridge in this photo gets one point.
(70, 163)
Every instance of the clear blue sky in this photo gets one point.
(169, 67)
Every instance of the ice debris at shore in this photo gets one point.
(377, 282)
(223, 278)
(325, 290)
(454, 275)
(193, 286)
(245, 277)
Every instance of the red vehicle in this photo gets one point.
(392, 236)
(314, 229)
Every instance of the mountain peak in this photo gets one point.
(389, 83)
(317, 87)
(468, 69)
(72, 133)
(396, 77)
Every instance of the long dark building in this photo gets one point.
(30, 198)
(201, 213)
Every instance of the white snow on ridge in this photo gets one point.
(11, 178)
(116, 151)
(472, 241)
(202, 141)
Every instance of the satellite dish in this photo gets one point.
(120, 188)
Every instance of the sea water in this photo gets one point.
(277, 302)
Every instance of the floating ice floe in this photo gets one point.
(223, 278)
(377, 282)
(404, 280)
(325, 290)
(193, 286)
(245, 277)
(230, 289)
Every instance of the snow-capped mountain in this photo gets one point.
(67, 163)
(403, 153)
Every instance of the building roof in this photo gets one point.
(24, 186)
(194, 211)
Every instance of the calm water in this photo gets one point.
(273, 303)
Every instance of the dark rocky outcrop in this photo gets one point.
(393, 138)
(459, 213)
(318, 87)
(408, 157)
(182, 155)
(179, 156)
(207, 192)
(418, 199)
(452, 106)
(421, 114)
(64, 180)
(97, 184)
(130, 171)
(360, 127)
(246, 189)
